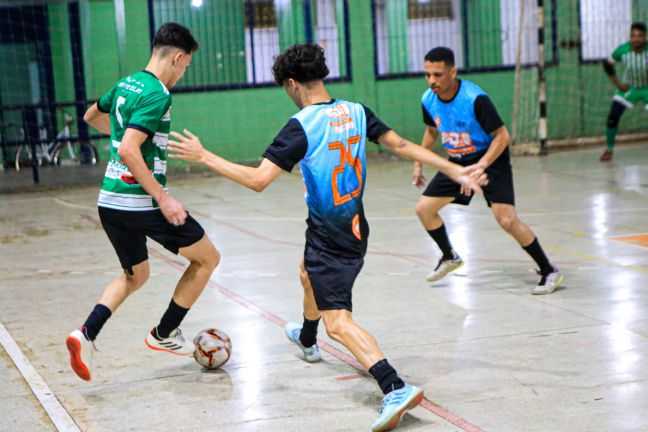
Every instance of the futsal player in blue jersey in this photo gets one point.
(327, 137)
(473, 134)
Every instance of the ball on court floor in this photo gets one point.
(213, 348)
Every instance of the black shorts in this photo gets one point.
(127, 231)
(331, 277)
(500, 182)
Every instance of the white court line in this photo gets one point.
(62, 420)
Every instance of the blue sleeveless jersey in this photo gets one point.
(334, 172)
(461, 133)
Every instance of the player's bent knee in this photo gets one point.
(615, 115)
(507, 222)
(138, 279)
(205, 254)
(613, 121)
(336, 327)
(213, 258)
(424, 210)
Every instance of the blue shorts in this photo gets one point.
(331, 277)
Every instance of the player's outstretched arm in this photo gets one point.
(188, 147)
(471, 178)
(97, 119)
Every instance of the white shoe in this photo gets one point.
(81, 353)
(548, 283)
(394, 405)
(174, 344)
(444, 267)
(311, 354)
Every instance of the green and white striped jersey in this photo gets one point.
(635, 63)
(139, 101)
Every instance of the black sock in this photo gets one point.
(538, 255)
(440, 236)
(386, 376)
(171, 319)
(308, 335)
(95, 321)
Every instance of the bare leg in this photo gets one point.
(119, 289)
(341, 328)
(507, 218)
(203, 258)
(427, 210)
(310, 306)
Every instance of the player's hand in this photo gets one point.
(624, 87)
(172, 210)
(475, 172)
(471, 178)
(187, 147)
(418, 179)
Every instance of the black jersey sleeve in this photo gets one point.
(487, 115)
(375, 127)
(427, 118)
(289, 146)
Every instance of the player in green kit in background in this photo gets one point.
(633, 87)
(134, 203)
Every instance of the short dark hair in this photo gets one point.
(638, 26)
(441, 54)
(175, 35)
(303, 63)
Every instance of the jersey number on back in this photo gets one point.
(346, 158)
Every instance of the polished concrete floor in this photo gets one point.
(489, 355)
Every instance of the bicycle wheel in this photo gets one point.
(85, 153)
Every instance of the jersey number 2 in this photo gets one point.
(346, 158)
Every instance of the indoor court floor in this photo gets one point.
(489, 355)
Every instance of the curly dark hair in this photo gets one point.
(303, 63)
(175, 35)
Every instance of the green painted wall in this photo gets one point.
(99, 42)
(239, 124)
(484, 33)
(61, 52)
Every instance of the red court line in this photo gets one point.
(350, 377)
(454, 419)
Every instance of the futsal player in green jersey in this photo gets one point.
(633, 86)
(134, 202)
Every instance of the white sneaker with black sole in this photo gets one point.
(174, 344)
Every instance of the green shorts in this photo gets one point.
(632, 96)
